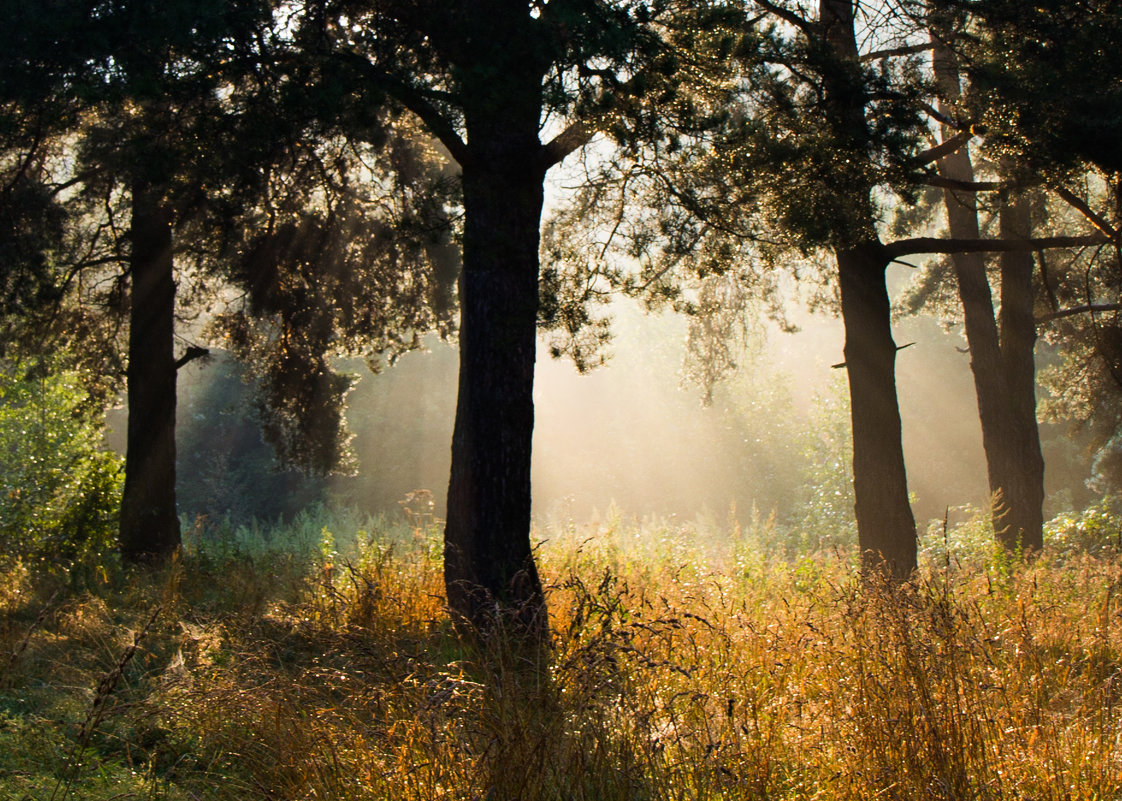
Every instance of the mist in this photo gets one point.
(631, 438)
(634, 437)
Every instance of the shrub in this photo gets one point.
(1097, 528)
(61, 487)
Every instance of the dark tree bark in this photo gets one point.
(490, 576)
(149, 526)
(885, 526)
(1019, 521)
(886, 529)
(1001, 362)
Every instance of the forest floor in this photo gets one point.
(683, 665)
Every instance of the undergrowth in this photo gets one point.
(316, 661)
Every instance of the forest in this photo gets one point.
(549, 400)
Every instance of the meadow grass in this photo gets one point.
(316, 661)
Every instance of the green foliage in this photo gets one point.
(1095, 530)
(322, 532)
(225, 472)
(349, 254)
(1053, 90)
(61, 488)
(823, 512)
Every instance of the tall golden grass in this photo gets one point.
(677, 670)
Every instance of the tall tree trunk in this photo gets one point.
(1001, 362)
(885, 526)
(1019, 523)
(149, 530)
(886, 529)
(489, 570)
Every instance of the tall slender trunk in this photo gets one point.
(149, 525)
(885, 526)
(1001, 362)
(489, 570)
(1019, 523)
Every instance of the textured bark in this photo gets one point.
(1001, 361)
(489, 570)
(885, 526)
(1019, 520)
(149, 525)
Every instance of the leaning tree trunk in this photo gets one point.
(886, 529)
(149, 525)
(1001, 363)
(489, 570)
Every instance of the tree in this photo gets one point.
(40, 102)
(824, 139)
(335, 260)
(149, 530)
(153, 100)
(156, 86)
(1001, 353)
(789, 157)
(484, 77)
(1023, 64)
(188, 132)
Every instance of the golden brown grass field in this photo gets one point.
(683, 665)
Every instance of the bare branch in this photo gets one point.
(189, 355)
(929, 244)
(1081, 206)
(904, 50)
(574, 137)
(939, 116)
(946, 148)
(961, 186)
(840, 365)
(1090, 308)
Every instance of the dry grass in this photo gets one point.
(677, 672)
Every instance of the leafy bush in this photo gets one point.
(1097, 528)
(823, 513)
(61, 488)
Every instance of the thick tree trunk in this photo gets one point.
(149, 530)
(489, 570)
(886, 529)
(1001, 362)
(885, 526)
(1019, 522)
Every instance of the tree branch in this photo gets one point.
(574, 137)
(840, 365)
(805, 25)
(946, 148)
(939, 116)
(1081, 206)
(439, 125)
(929, 244)
(189, 355)
(903, 50)
(1090, 308)
(417, 102)
(961, 186)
